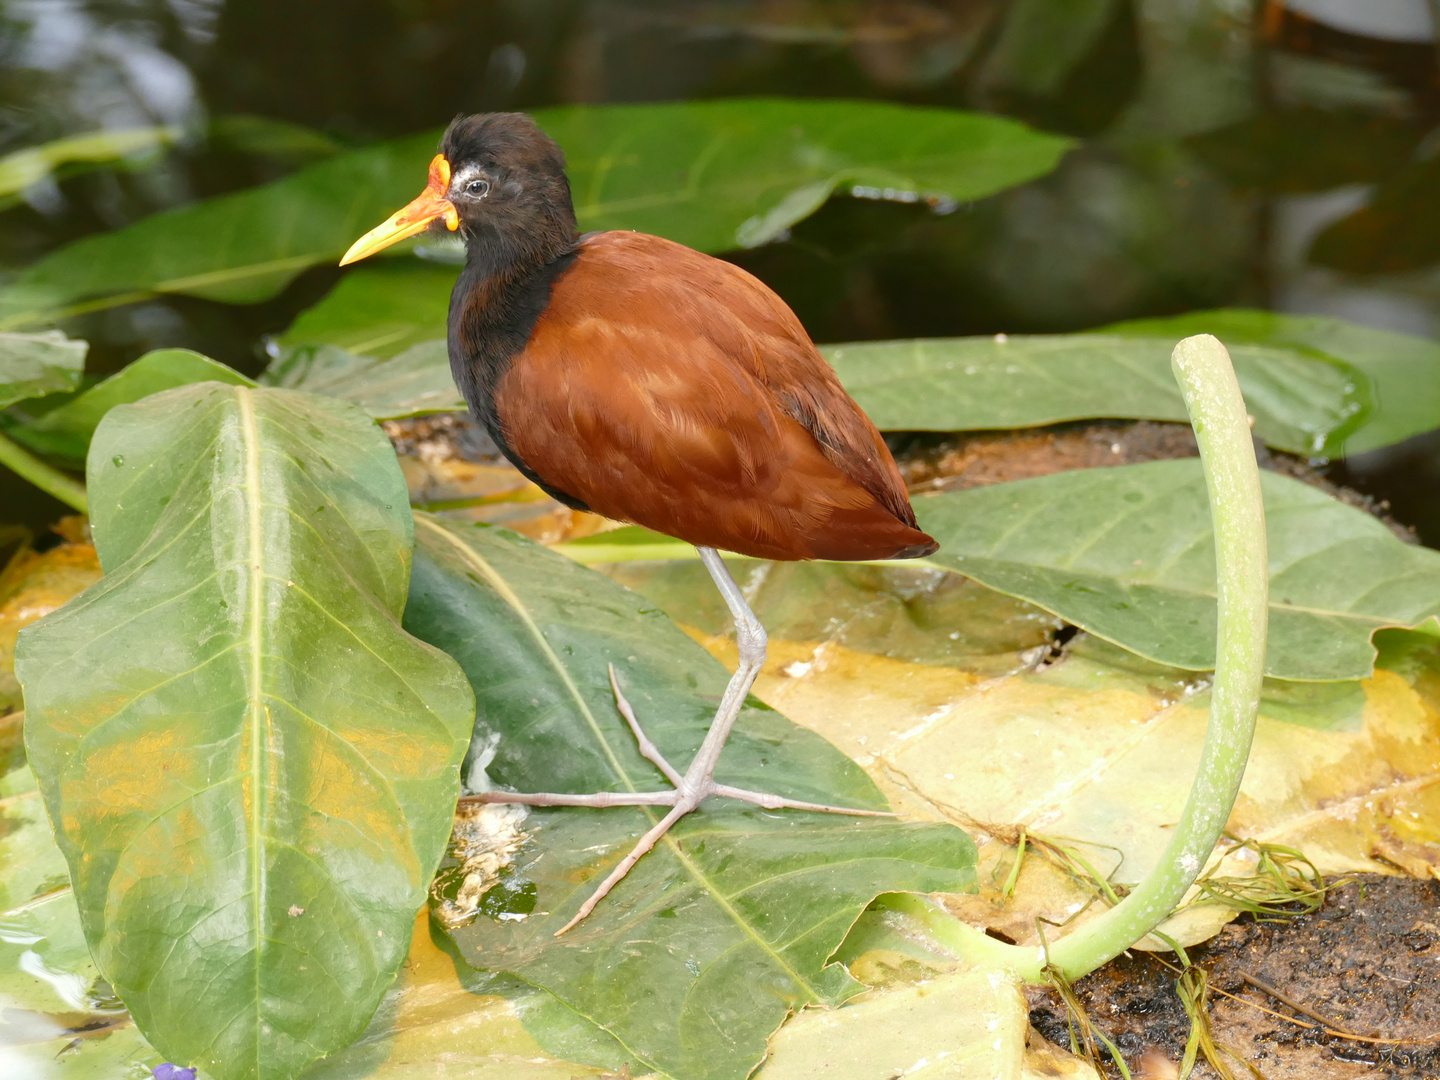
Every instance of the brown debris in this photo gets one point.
(1368, 963)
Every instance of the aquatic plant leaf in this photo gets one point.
(962, 706)
(32, 585)
(415, 382)
(493, 1026)
(711, 174)
(253, 780)
(728, 924)
(1127, 553)
(66, 431)
(33, 365)
(24, 168)
(1403, 371)
(380, 308)
(966, 1025)
(1301, 405)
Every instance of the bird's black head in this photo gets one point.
(507, 183)
(500, 182)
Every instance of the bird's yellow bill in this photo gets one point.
(434, 202)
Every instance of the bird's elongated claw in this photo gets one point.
(648, 750)
(682, 799)
(779, 802)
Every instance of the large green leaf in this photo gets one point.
(415, 382)
(380, 308)
(713, 174)
(66, 431)
(33, 365)
(1127, 553)
(1403, 371)
(250, 766)
(728, 925)
(1300, 404)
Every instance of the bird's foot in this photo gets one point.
(688, 793)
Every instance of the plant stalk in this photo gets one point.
(1227, 453)
(46, 477)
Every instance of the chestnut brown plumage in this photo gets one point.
(634, 377)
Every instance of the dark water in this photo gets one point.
(1234, 153)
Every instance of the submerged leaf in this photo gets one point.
(1403, 371)
(728, 924)
(1128, 554)
(252, 782)
(711, 174)
(1300, 404)
(411, 384)
(66, 431)
(33, 365)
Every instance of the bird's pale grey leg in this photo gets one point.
(698, 781)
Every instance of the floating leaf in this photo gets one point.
(1127, 553)
(413, 383)
(1403, 371)
(711, 174)
(962, 707)
(965, 1026)
(66, 431)
(254, 778)
(58, 1009)
(1300, 404)
(380, 308)
(728, 924)
(33, 365)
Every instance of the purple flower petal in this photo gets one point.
(173, 1072)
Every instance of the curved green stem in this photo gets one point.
(46, 477)
(1217, 412)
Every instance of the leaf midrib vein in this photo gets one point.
(502, 587)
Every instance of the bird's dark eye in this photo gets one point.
(478, 188)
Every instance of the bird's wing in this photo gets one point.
(694, 294)
(651, 397)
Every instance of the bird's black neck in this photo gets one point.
(496, 302)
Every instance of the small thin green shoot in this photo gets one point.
(1285, 884)
(1193, 989)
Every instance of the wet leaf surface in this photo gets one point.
(248, 835)
(1300, 404)
(712, 174)
(995, 728)
(701, 952)
(65, 431)
(61, 1020)
(1127, 553)
(33, 365)
(31, 586)
(411, 384)
(1403, 371)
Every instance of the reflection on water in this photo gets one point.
(1270, 154)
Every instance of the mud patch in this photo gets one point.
(1367, 963)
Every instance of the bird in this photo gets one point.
(634, 377)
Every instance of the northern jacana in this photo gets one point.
(631, 376)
